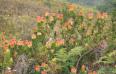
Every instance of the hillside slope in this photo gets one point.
(19, 15)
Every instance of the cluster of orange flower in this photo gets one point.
(51, 15)
(90, 15)
(5, 43)
(24, 43)
(99, 15)
(102, 15)
(68, 25)
(38, 68)
(59, 16)
(40, 19)
(73, 70)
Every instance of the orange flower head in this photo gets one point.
(71, 7)
(20, 43)
(40, 19)
(90, 15)
(36, 68)
(43, 72)
(104, 15)
(73, 70)
(12, 42)
(60, 16)
(68, 24)
(59, 42)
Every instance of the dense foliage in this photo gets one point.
(59, 39)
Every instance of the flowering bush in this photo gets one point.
(11, 46)
(59, 39)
